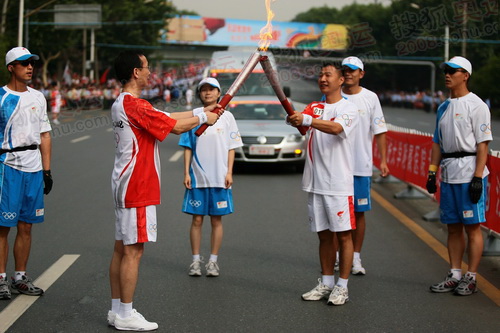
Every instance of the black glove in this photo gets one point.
(431, 183)
(475, 189)
(47, 181)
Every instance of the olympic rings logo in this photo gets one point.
(347, 120)
(235, 136)
(9, 215)
(195, 203)
(485, 128)
(379, 121)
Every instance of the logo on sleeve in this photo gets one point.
(485, 128)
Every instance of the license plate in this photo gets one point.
(261, 150)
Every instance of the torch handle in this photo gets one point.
(289, 110)
(273, 80)
(223, 102)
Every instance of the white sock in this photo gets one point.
(125, 310)
(456, 273)
(328, 280)
(213, 257)
(18, 275)
(471, 274)
(3, 275)
(115, 305)
(357, 255)
(196, 257)
(342, 282)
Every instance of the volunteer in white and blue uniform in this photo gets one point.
(24, 166)
(460, 148)
(208, 176)
(371, 124)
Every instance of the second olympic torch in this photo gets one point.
(272, 77)
(245, 72)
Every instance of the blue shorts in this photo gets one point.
(456, 206)
(21, 196)
(213, 201)
(362, 198)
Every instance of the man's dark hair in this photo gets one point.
(335, 64)
(125, 63)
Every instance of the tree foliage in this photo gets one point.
(414, 29)
(125, 22)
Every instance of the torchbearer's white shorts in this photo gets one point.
(331, 212)
(135, 225)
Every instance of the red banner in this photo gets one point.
(408, 158)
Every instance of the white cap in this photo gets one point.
(211, 81)
(458, 62)
(19, 53)
(353, 63)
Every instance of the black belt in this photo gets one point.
(457, 154)
(30, 147)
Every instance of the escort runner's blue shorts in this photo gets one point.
(362, 198)
(213, 201)
(21, 196)
(456, 207)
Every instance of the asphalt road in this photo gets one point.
(268, 259)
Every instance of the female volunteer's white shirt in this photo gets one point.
(462, 123)
(23, 118)
(210, 151)
(371, 122)
(329, 162)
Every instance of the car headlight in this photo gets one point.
(295, 138)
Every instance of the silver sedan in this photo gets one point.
(265, 135)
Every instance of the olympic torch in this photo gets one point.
(240, 79)
(272, 77)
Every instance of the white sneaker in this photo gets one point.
(357, 269)
(136, 322)
(56, 121)
(195, 268)
(336, 267)
(212, 268)
(111, 318)
(338, 296)
(318, 293)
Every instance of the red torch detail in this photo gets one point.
(245, 72)
(273, 80)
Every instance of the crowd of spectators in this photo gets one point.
(80, 93)
(423, 100)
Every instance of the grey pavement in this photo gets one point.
(268, 258)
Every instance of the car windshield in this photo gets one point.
(261, 111)
(255, 84)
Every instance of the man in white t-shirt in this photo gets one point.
(371, 123)
(460, 148)
(328, 178)
(25, 154)
(135, 183)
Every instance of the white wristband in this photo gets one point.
(203, 117)
(197, 111)
(307, 120)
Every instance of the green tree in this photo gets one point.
(125, 23)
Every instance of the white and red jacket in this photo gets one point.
(138, 127)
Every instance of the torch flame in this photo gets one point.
(266, 33)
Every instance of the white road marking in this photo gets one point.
(176, 156)
(85, 137)
(21, 303)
